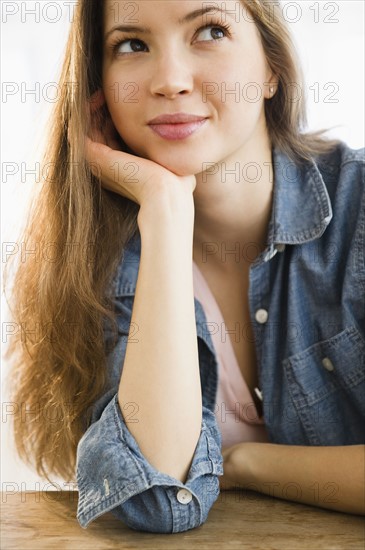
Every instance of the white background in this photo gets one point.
(32, 52)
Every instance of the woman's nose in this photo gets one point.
(171, 76)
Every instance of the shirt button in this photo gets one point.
(327, 363)
(280, 247)
(261, 315)
(184, 496)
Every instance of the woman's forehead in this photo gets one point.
(174, 10)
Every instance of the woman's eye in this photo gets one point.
(216, 31)
(133, 43)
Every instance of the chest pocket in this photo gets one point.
(327, 386)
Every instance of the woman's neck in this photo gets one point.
(233, 202)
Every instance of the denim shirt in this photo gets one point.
(307, 309)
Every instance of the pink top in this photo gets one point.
(235, 408)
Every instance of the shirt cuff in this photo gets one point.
(111, 471)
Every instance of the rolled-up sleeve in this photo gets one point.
(113, 475)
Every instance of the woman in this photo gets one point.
(184, 201)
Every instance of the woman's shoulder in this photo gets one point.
(343, 171)
(336, 160)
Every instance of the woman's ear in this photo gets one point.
(271, 86)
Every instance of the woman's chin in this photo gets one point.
(180, 171)
(177, 166)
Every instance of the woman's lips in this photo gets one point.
(177, 131)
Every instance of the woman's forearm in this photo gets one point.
(329, 477)
(161, 368)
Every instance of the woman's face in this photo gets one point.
(196, 67)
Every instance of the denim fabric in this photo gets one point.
(310, 346)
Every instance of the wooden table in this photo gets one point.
(238, 520)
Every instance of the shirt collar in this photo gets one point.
(301, 207)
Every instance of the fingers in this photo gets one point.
(110, 133)
(101, 141)
(115, 172)
(225, 452)
(94, 105)
(102, 129)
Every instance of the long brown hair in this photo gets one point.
(80, 230)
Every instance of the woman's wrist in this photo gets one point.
(245, 463)
(176, 207)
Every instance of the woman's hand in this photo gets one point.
(316, 475)
(134, 177)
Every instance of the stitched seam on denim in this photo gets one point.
(320, 191)
(349, 380)
(359, 245)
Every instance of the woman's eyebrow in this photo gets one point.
(186, 19)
